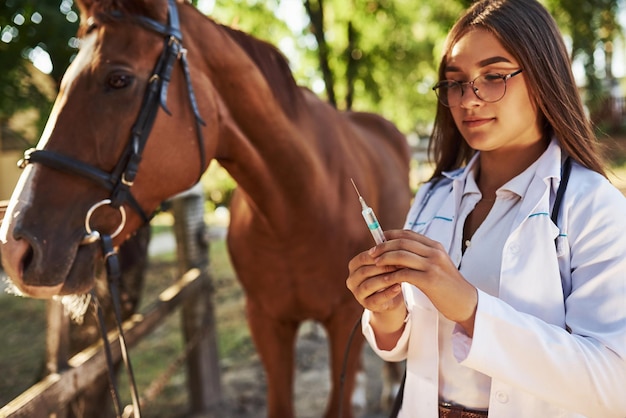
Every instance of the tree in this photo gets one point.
(28, 29)
(592, 27)
(374, 55)
(384, 55)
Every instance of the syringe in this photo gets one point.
(370, 219)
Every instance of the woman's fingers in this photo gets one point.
(409, 250)
(425, 264)
(372, 285)
(369, 279)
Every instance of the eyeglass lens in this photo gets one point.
(488, 88)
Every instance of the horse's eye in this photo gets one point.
(119, 81)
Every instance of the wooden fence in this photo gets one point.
(192, 292)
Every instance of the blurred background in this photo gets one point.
(371, 55)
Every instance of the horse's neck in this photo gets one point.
(272, 161)
(266, 151)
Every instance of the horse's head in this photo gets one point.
(89, 169)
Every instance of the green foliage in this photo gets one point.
(382, 54)
(254, 17)
(218, 186)
(398, 51)
(18, 92)
(28, 28)
(591, 26)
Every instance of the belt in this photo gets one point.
(448, 410)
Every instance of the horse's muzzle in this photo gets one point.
(23, 259)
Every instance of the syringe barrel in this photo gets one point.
(373, 225)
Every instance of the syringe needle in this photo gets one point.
(370, 218)
(357, 190)
(361, 200)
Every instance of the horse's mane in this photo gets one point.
(274, 67)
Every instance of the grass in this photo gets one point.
(22, 353)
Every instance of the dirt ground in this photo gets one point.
(244, 388)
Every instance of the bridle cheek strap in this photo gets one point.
(70, 165)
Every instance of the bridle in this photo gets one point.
(119, 181)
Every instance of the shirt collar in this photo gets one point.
(543, 167)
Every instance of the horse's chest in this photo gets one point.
(288, 285)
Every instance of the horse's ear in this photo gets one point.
(85, 7)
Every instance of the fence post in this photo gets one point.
(198, 317)
(57, 337)
(57, 341)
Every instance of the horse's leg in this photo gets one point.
(275, 343)
(340, 326)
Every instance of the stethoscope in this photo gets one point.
(435, 183)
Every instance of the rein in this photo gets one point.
(121, 179)
(114, 275)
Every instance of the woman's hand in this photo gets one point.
(413, 258)
(374, 289)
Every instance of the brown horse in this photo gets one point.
(295, 219)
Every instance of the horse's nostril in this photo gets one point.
(15, 253)
(27, 258)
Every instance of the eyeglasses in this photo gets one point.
(487, 87)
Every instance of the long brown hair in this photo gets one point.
(527, 31)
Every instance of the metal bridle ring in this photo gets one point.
(93, 236)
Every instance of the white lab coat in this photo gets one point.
(554, 341)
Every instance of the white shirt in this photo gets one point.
(480, 265)
(553, 341)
